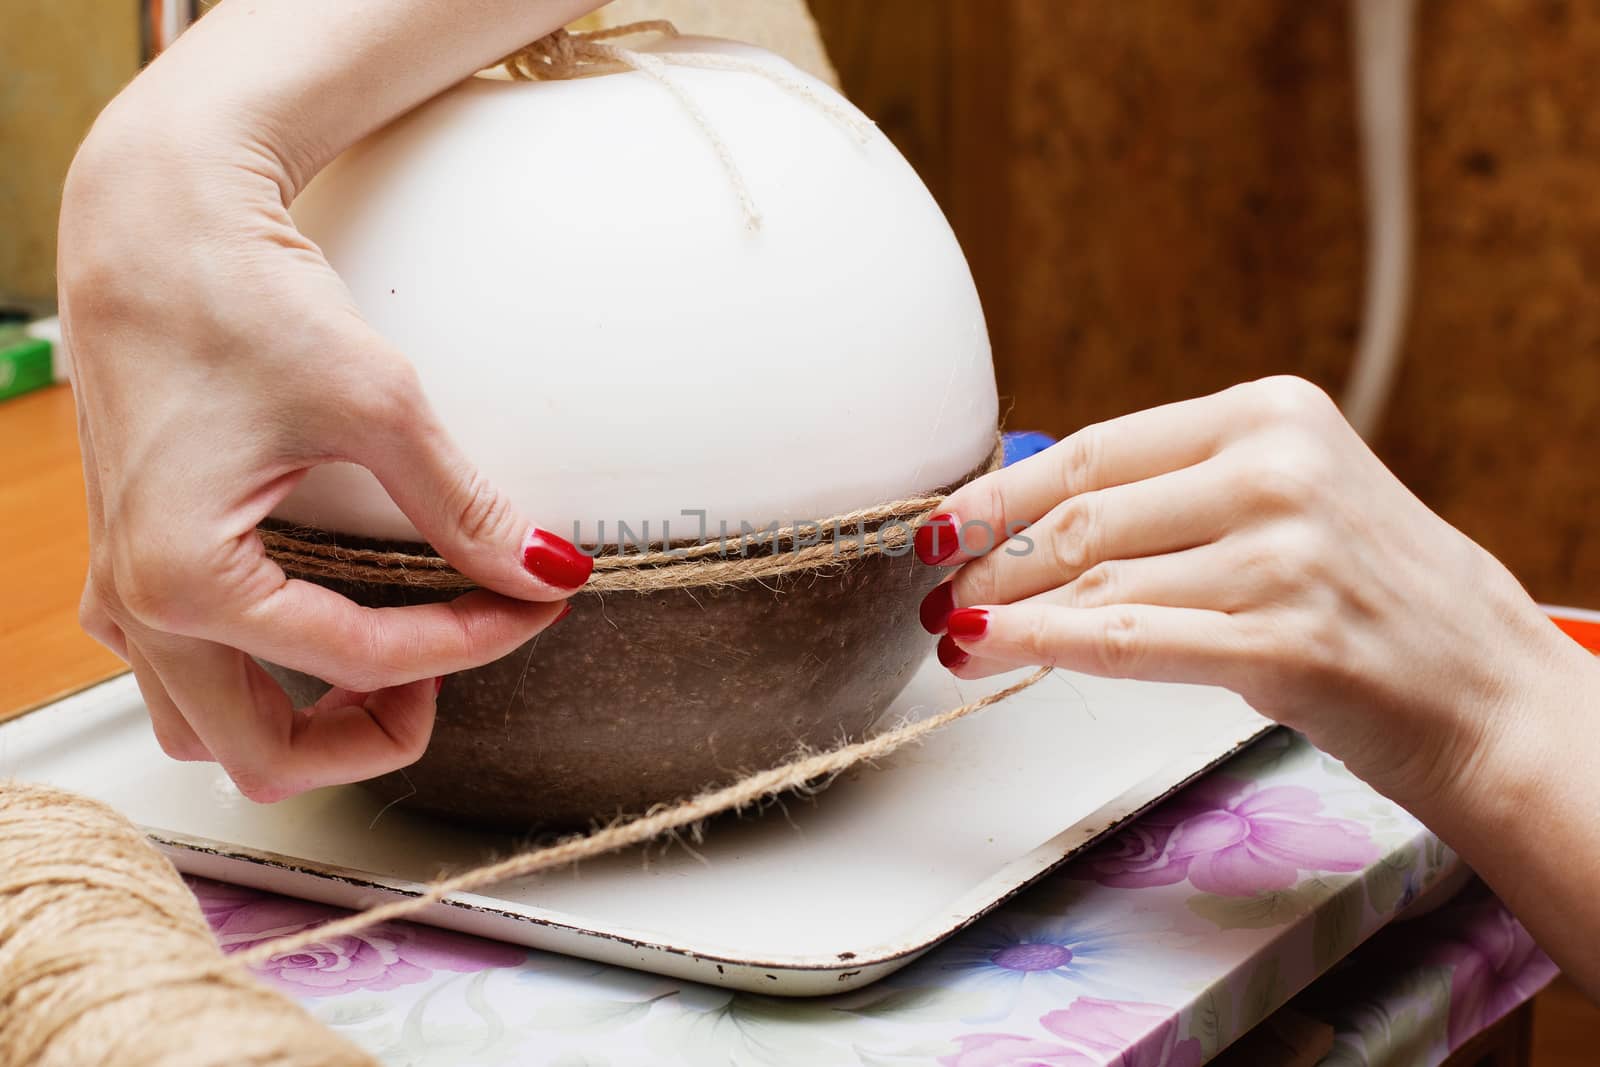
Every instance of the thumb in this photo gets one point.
(468, 520)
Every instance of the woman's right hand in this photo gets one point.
(1250, 539)
(217, 358)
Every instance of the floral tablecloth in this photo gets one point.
(1155, 949)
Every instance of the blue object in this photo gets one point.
(1020, 444)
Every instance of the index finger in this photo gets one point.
(317, 631)
(986, 512)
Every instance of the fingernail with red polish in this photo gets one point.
(936, 608)
(968, 624)
(566, 609)
(937, 539)
(438, 684)
(951, 654)
(556, 560)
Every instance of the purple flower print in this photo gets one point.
(387, 956)
(1232, 838)
(1088, 1033)
(1495, 966)
(1006, 956)
(1492, 963)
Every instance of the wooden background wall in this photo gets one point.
(1161, 198)
(60, 61)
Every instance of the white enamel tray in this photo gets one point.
(820, 896)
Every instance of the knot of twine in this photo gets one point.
(563, 55)
(882, 528)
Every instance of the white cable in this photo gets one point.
(1383, 31)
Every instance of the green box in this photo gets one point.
(25, 362)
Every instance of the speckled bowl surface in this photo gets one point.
(639, 698)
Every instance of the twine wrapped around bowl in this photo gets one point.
(677, 669)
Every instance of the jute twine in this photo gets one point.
(106, 959)
(883, 528)
(660, 820)
(564, 55)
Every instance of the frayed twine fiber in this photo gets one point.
(310, 553)
(660, 820)
(564, 55)
(105, 957)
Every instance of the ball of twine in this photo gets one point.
(105, 957)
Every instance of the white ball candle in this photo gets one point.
(569, 267)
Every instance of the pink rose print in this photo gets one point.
(1089, 1032)
(1231, 838)
(218, 900)
(1135, 858)
(1146, 1035)
(387, 956)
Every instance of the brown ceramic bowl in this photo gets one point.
(639, 698)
